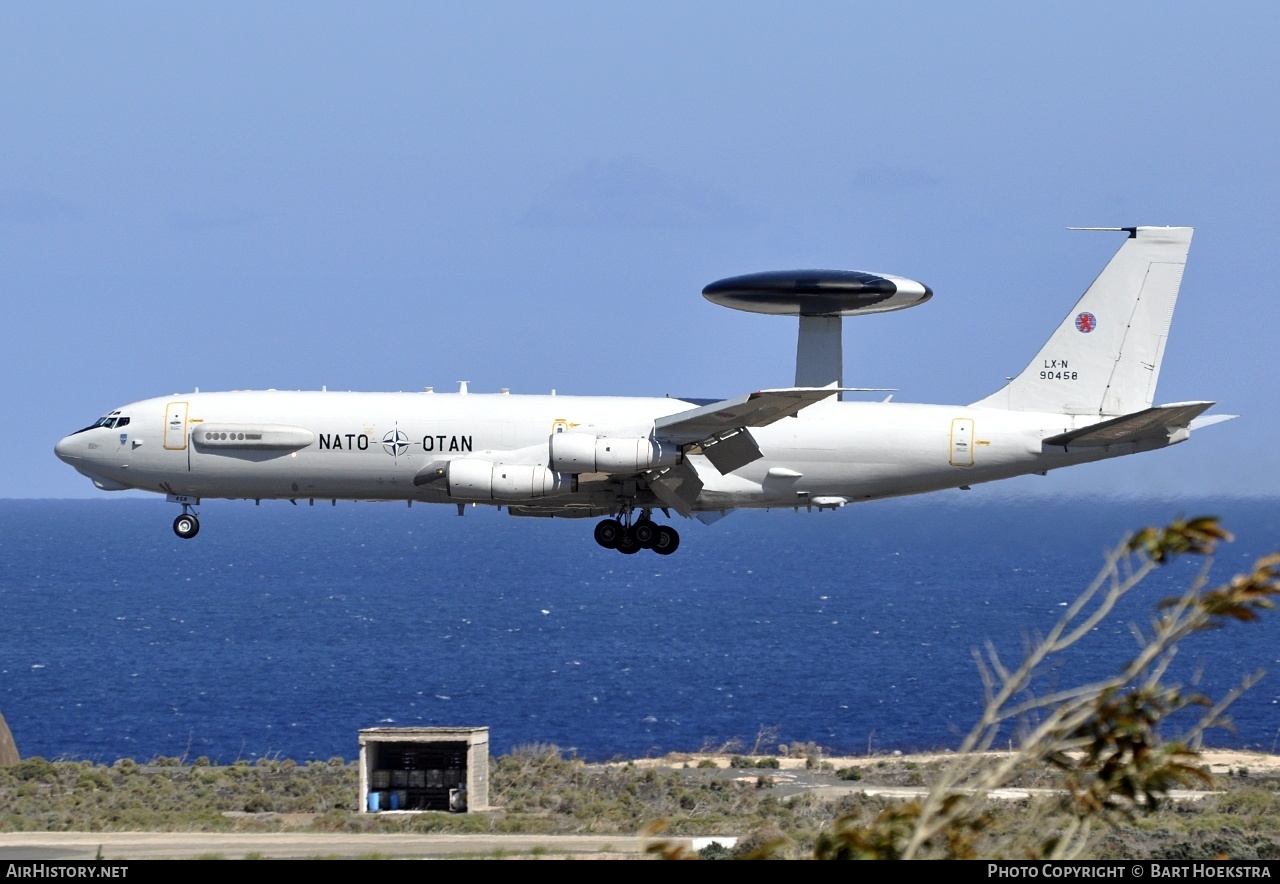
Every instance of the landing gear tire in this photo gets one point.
(186, 526)
(608, 533)
(665, 541)
(645, 532)
(627, 544)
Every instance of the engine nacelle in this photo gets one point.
(584, 453)
(472, 479)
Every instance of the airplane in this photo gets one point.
(1086, 396)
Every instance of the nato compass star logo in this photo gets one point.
(1086, 322)
(395, 443)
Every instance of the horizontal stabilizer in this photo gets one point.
(1161, 422)
(1208, 420)
(753, 410)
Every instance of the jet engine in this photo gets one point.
(584, 453)
(473, 479)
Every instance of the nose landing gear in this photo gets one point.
(186, 525)
(629, 539)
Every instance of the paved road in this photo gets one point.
(292, 845)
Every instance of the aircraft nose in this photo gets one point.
(67, 449)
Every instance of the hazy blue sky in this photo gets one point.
(382, 196)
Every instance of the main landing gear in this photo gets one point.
(644, 534)
(186, 525)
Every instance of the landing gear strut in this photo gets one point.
(186, 525)
(629, 539)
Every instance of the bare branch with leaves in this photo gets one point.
(1104, 735)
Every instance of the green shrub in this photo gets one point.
(35, 768)
(715, 850)
(1248, 802)
(93, 780)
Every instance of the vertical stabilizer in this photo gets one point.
(1104, 359)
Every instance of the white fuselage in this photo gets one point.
(370, 446)
(1087, 395)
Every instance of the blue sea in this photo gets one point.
(282, 630)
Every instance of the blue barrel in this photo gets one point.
(374, 801)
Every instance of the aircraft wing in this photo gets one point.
(757, 409)
(1160, 422)
(721, 428)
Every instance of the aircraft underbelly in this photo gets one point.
(873, 453)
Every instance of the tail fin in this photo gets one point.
(1104, 358)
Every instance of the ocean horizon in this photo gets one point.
(282, 630)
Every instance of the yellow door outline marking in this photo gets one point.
(962, 455)
(170, 410)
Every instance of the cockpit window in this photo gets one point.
(109, 420)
